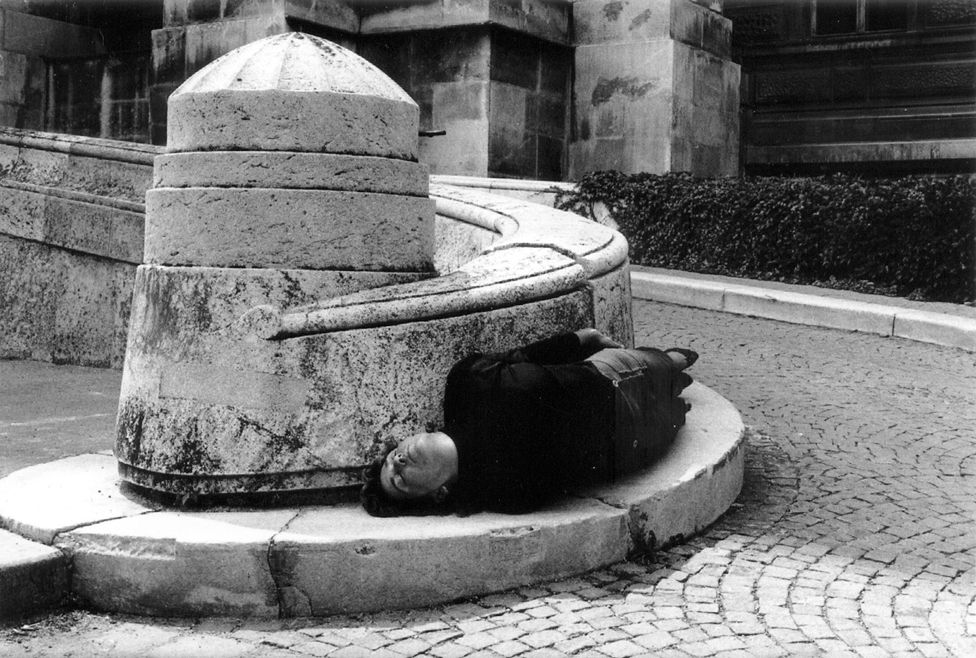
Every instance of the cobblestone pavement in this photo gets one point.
(854, 534)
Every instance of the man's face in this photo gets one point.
(419, 466)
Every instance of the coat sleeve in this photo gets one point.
(561, 348)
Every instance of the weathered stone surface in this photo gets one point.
(208, 122)
(806, 309)
(937, 328)
(46, 513)
(14, 84)
(458, 243)
(71, 230)
(33, 577)
(521, 224)
(283, 169)
(615, 86)
(36, 35)
(548, 20)
(61, 305)
(538, 192)
(336, 15)
(54, 161)
(694, 484)
(611, 21)
(303, 229)
(404, 562)
(205, 42)
(195, 308)
(166, 563)
(330, 399)
(250, 99)
(505, 278)
(705, 134)
(73, 221)
(674, 290)
(461, 109)
(655, 90)
(611, 304)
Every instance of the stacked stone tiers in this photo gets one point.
(290, 210)
(290, 178)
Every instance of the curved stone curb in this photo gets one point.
(540, 253)
(33, 577)
(129, 557)
(801, 308)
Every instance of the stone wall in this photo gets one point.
(24, 43)
(66, 72)
(495, 75)
(884, 87)
(447, 73)
(655, 89)
(71, 236)
(196, 32)
(528, 107)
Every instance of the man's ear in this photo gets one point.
(441, 494)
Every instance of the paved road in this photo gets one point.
(855, 533)
(48, 412)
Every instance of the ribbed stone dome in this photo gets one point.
(293, 92)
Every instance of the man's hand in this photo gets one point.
(592, 340)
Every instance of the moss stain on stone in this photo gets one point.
(190, 455)
(129, 429)
(641, 18)
(612, 10)
(607, 87)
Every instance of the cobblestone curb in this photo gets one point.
(802, 308)
(33, 577)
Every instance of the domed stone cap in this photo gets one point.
(293, 92)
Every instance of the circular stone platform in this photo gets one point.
(129, 555)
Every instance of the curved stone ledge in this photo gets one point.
(129, 556)
(500, 281)
(540, 253)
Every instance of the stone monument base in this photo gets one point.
(130, 555)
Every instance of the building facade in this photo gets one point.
(884, 86)
(550, 89)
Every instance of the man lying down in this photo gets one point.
(522, 427)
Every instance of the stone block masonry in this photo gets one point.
(71, 234)
(655, 89)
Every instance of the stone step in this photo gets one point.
(128, 555)
(33, 577)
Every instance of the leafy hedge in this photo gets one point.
(913, 236)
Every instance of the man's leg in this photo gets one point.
(648, 411)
